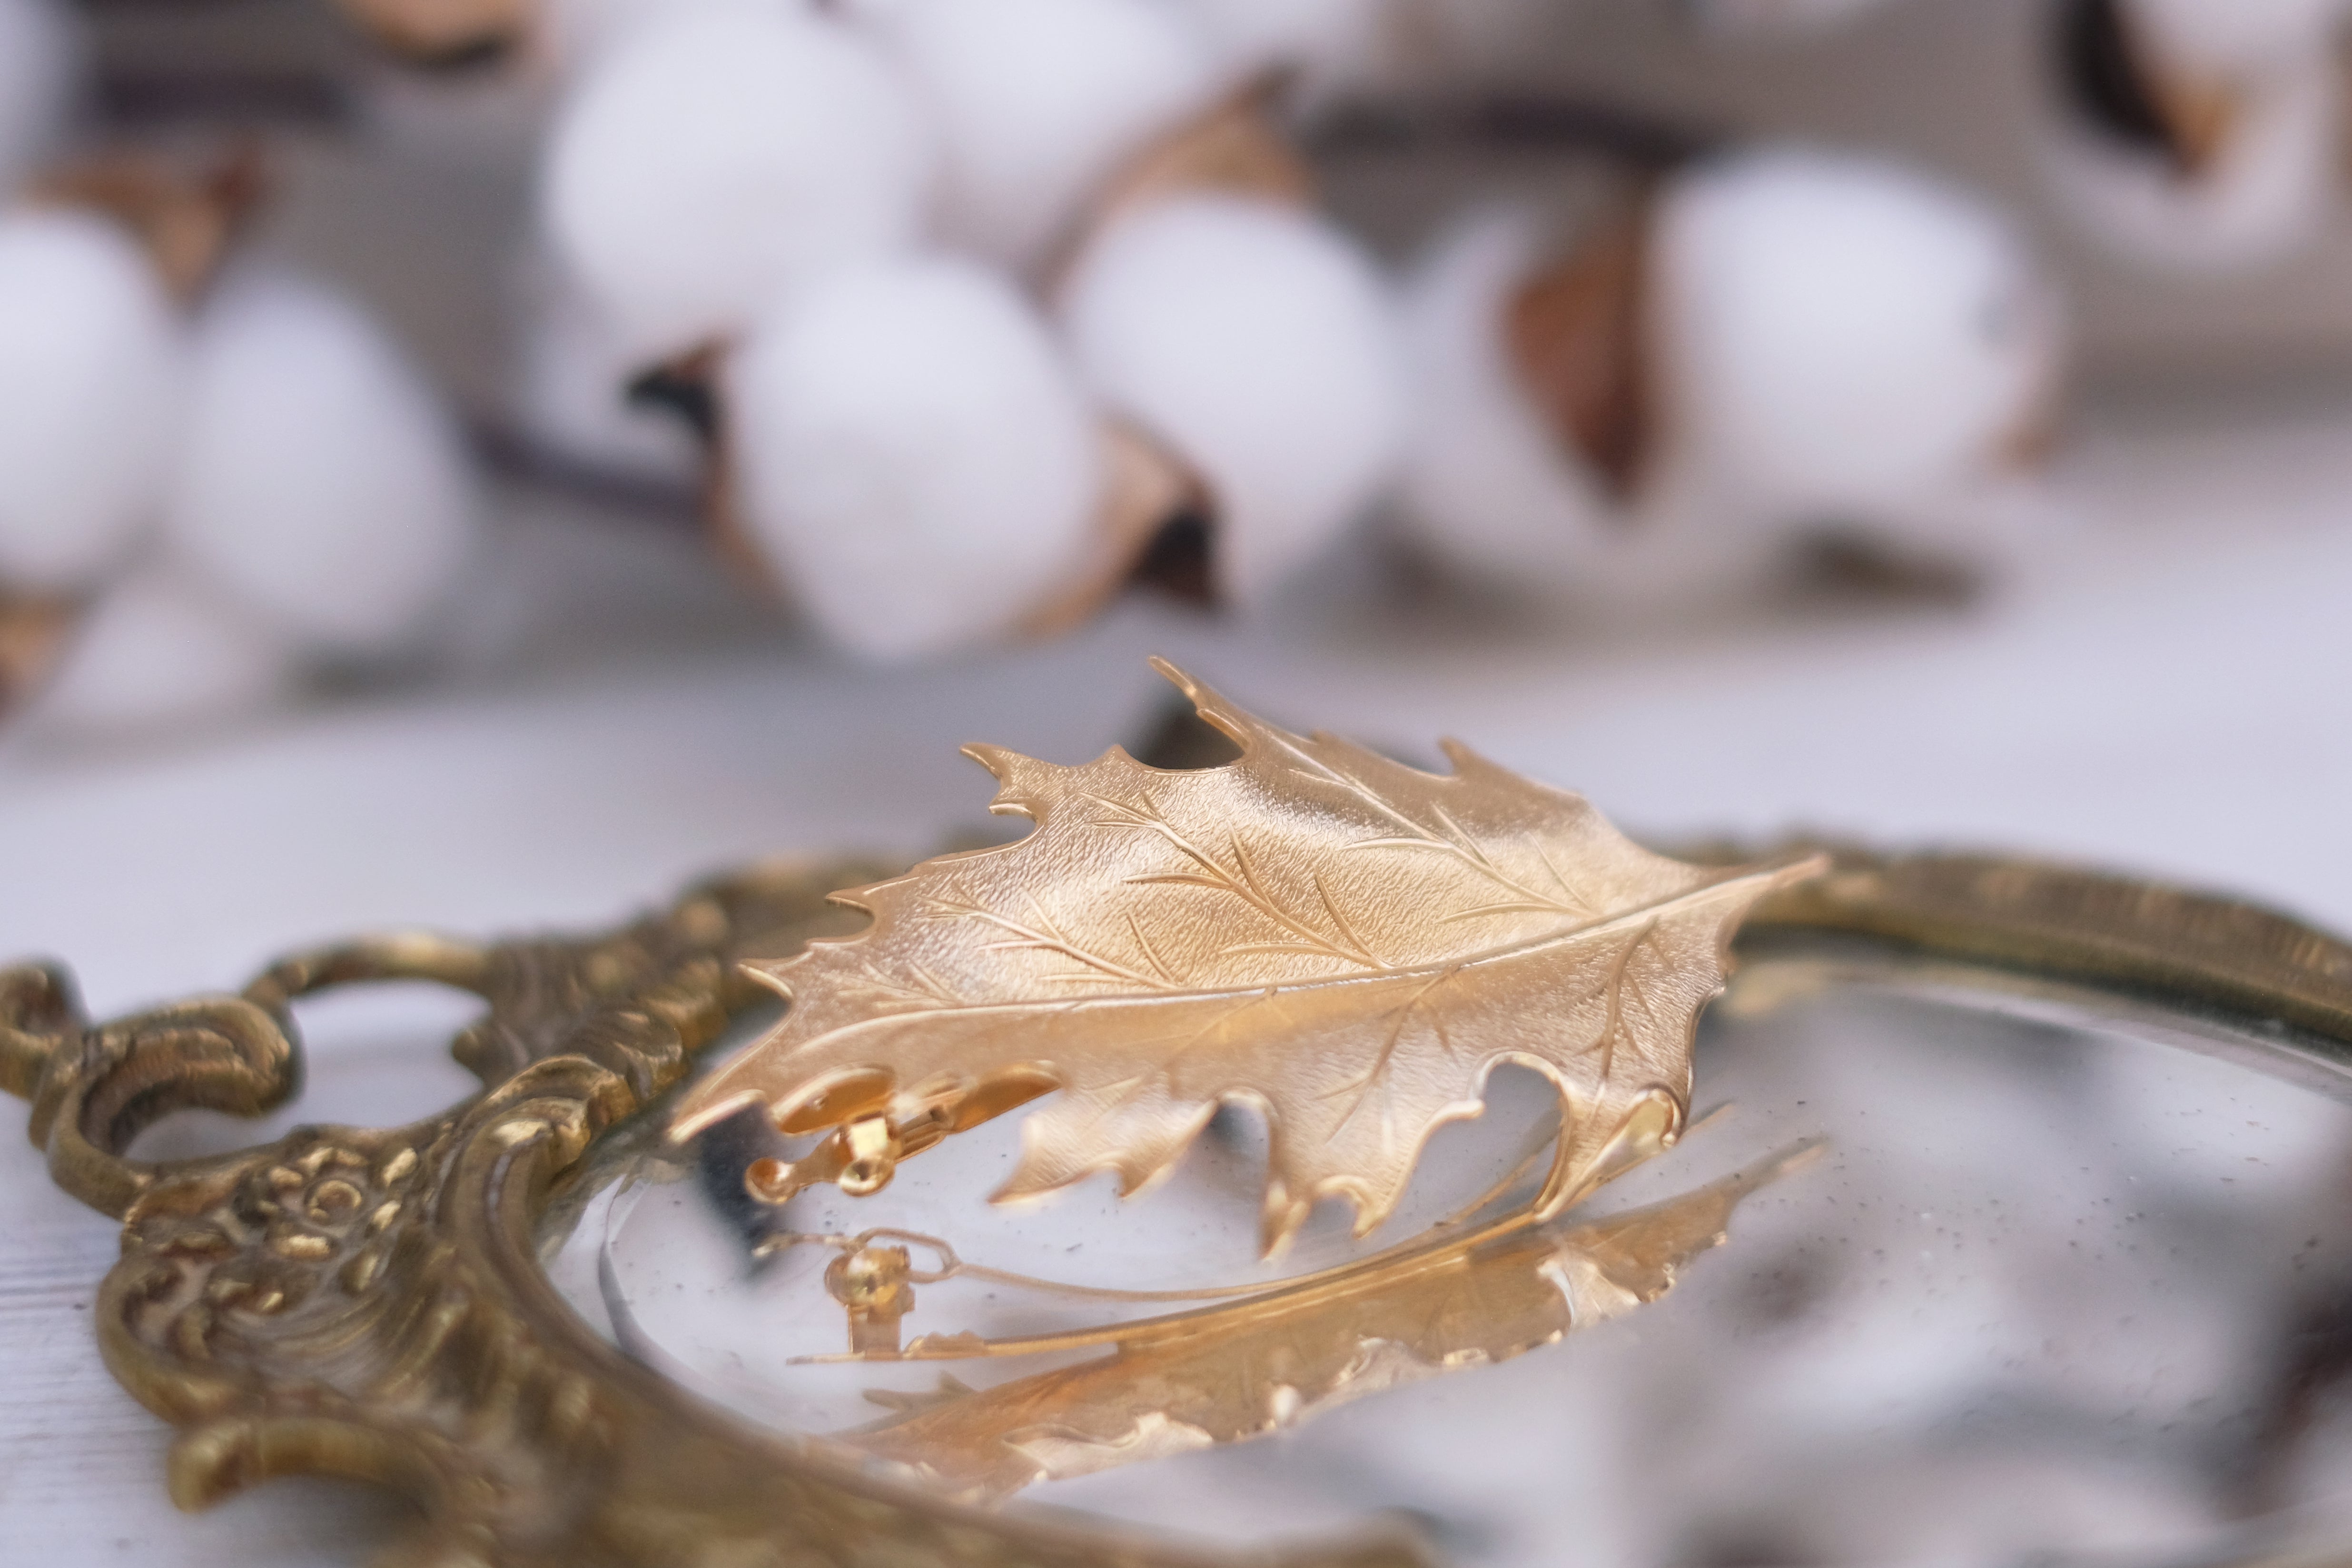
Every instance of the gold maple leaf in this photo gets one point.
(1221, 1377)
(1346, 944)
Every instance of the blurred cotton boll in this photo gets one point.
(1038, 101)
(321, 484)
(91, 373)
(1257, 343)
(2212, 143)
(1778, 344)
(163, 648)
(39, 54)
(722, 153)
(1843, 339)
(914, 453)
(1487, 486)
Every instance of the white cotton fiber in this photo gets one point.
(913, 451)
(321, 484)
(1259, 344)
(717, 156)
(1843, 336)
(1487, 486)
(40, 56)
(1039, 101)
(91, 385)
(163, 648)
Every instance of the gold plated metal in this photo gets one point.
(371, 1302)
(1346, 943)
(873, 1149)
(872, 1284)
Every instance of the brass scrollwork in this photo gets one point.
(367, 1302)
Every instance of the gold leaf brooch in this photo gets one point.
(1346, 944)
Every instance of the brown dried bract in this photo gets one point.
(1144, 486)
(1234, 148)
(1577, 334)
(687, 387)
(2114, 75)
(34, 632)
(443, 31)
(2199, 113)
(185, 220)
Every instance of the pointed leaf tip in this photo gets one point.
(1168, 671)
(1023, 782)
(997, 759)
(1228, 718)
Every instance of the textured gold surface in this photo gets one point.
(1346, 943)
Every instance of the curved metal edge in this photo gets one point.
(1991, 923)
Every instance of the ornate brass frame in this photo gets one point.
(370, 1304)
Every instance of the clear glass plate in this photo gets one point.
(2047, 1293)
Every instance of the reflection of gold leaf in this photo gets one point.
(951, 1389)
(1228, 1374)
(1348, 944)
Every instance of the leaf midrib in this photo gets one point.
(1655, 910)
